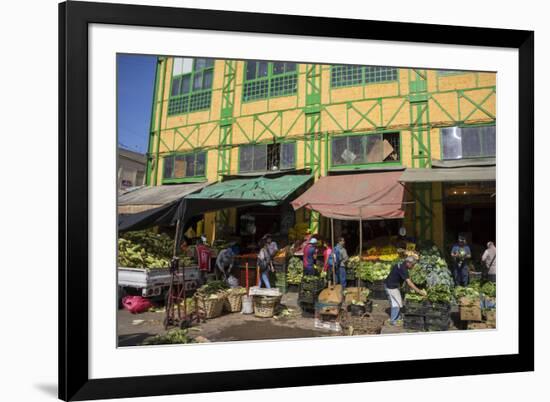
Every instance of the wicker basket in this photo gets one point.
(211, 307)
(234, 302)
(264, 306)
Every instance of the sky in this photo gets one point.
(136, 76)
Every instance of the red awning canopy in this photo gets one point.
(358, 196)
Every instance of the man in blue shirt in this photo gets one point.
(399, 274)
(461, 253)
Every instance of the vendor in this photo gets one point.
(341, 255)
(460, 254)
(310, 254)
(224, 262)
(270, 244)
(489, 258)
(392, 284)
(204, 255)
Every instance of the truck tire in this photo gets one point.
(122, 293)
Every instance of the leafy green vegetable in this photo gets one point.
(414, 297)
(489, 289)
(212, 288)
(171, 337)
(439, 294)
(373, 271)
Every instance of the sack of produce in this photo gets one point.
(136, 304)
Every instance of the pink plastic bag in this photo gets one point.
(136, 304)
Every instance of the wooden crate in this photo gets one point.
(470, 313)
(491, 318)
(477, 325)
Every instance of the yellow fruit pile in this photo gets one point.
(386, 253)
(298, 232)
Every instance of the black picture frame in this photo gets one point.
(74, 18)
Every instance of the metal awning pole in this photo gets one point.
(360, 245)
(176, 239)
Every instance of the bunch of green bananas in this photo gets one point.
(295, 271)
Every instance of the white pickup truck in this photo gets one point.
(153, 282)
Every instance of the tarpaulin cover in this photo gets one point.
(228, 194)
(262, 189)
(350, 197)
(458, 174)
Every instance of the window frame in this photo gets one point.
(461, 126)
(347, 166)
(266, 144)
(186, 179)
(269, 78)
(450, 73)
(363, 82)
(191, 81)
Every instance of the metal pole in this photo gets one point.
(176, 239)
(360, 246)
(333, 259)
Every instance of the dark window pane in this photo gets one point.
(185, 84)
(200, 164)
(288, 155)
(339, 146)
(262, 69)
(392, 147)
(251, 70)
(452, 143)
(200, 64)
(190, 165)
(356, 150)
(488, 141)
(290, 67)
(176, 86)
(246, 153)
(471, 142)
(168, 166)
(209, 63)
(260, 158)
(374, 148)
(207, 80)
(197, 81)
(278, 68)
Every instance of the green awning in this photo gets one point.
(264, 190)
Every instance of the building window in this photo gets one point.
(468, 142)
(345, 76)
(365, 149)
(187, 165)
(267, 157)
(450, 72)
(191, 85)
(264, 79)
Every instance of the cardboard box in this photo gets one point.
(470, 313)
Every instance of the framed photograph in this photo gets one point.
(254, 200)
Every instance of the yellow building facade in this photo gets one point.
(218, 118)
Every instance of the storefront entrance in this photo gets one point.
(470, 210)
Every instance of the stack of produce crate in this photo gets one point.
(310, 287)
(377, 290)
(414, 316)
(437, 316)
(281, 282)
